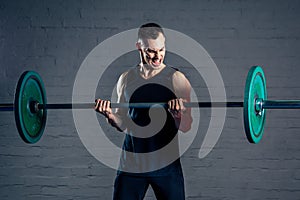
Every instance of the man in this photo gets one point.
(150, 153)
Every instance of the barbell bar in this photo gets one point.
(30, 105)
(35, 106)
(259, 103)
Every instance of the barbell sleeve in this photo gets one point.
(281, 104)
(6, 107)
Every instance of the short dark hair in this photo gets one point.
(150, 31)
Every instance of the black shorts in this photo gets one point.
(170, 187)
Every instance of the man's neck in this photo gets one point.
(147, 71)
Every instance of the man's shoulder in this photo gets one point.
(124, 76)
(179, 77)
(176, 72)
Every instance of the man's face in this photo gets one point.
(153, 51)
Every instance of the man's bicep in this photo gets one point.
(181, 86)
(120, 93)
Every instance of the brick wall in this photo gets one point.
(54, 37)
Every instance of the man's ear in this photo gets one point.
(138, 46)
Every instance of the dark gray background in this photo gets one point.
(54, 37)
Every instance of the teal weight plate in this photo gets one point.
(30, 124)
(255, 88)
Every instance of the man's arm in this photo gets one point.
(182, 89)
(103, 106)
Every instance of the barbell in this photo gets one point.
(30, 105)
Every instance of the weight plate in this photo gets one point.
(255, 88)
(30, 124)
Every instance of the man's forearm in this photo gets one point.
(116, 121)
(185, 120)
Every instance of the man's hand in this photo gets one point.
(176, 107)
(103, 107)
